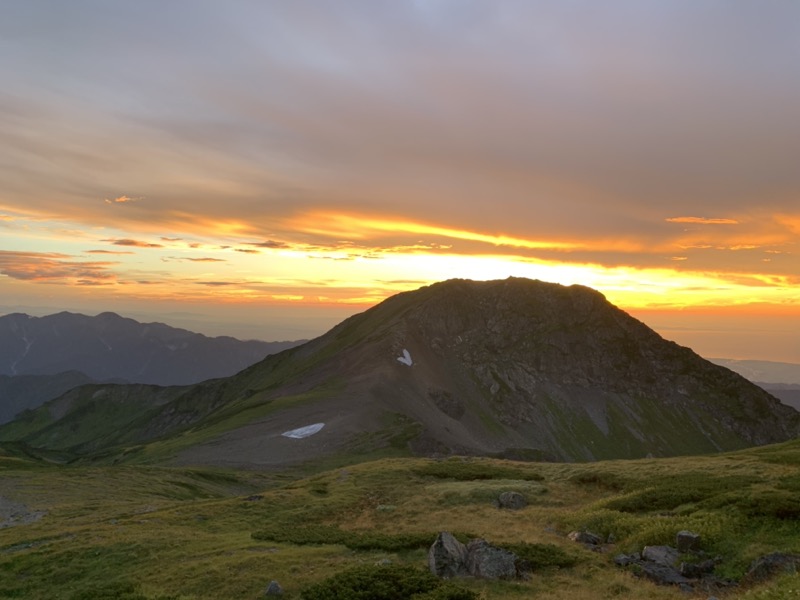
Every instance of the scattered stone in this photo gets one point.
(654, 571)
(665, 556)
(657, 563)
(490, 562)
(384, 562)
(623, 560)
(663, 575)
(611, 539)
(585, 537)
(447, 557)
(696, 570)
(274, 589)
(770, 565)
(687, 541)
(512, 500)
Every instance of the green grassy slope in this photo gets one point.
(150, 532)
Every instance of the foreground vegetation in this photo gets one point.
(146, 533)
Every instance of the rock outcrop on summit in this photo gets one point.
(512, 368)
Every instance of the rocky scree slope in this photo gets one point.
(513, 368)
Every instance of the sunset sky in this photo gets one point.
(265, 169)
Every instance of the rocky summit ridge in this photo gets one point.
(512, 368)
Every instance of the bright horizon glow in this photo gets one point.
(227, 269)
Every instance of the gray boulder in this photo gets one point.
(698, 569)
(666, 556)
(512, 500)
(624, 560)
(447, 557)
(657, 563)
(490, 562)
(687, 541)
(585, 537)
(274, 589)
(664, 575)
(657, 572)
(770, 565)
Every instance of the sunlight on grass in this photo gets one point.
(156, 533)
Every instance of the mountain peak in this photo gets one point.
(109, 316)
(515, 368)
(510, 367)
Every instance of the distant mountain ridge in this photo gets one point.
(108, 346)
(23, 392)
(514, 368)
(788, 393)
(780, 379)
(762, 371)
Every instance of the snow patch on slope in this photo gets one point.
(303, 432)
(406, 358)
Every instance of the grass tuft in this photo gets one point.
(354, 540)
(385, 582)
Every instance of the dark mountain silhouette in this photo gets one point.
(109, 346)
(23, 392)
(514, 368)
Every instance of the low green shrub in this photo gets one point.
(116, 591)
(465, 470)
(355, 540)
(671, 492)
(601, 479)
(385, 582)
(791, 483)
(447, 591)
(777, 504)
(541, 556)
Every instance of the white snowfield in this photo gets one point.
(406, 358)
(303, 432)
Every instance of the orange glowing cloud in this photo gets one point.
(121, 200)
(130, 242)
(53, 267)
(702, 221)
(790, 222)
(346, 226)
(200, 259)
